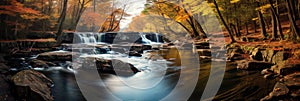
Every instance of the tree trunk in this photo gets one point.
(63, 16)
(276, 15)
(222, 19)
(294, 28)
(233, 29)
(246, 28)
(238, 27)
(16, 29)
(262, 25)
(274, 27)
(255, 26)
(278, 21)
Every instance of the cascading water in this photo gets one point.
(84, 37)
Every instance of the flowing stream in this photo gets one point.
(158, 78)
(237, 84)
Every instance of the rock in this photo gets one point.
(256, 54)
(279, 57)
(113, 66)
(152, 55)
(57, 56)
(235, 56)
(253, 65)
(295, 93)
(279, 90)
(134, 53)
(32, 86)
(40, 63)
(266, 71)
(268, 76)
(286, 69)
(292, 79)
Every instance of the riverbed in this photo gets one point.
(157, 82)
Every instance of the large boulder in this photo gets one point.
(257, 54)
(31, 85)
(253, 65)
(40, 63)
(112, 66)
(279, 90)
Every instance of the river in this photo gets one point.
(159, 81)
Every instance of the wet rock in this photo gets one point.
(235, 56)
(32, 86)
(40, 63)
(134, 53)
(279, 89)
(292, 79)
(253, 65)
(152, 55)
(113, 66)
(286, 69)
(57, 56)
(17, 64)
(266, 71)
(269, 76)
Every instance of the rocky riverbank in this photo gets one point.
(23, 85)
(278, 63)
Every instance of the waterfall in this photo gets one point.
(90, 37)
(84, 37)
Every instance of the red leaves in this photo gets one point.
(16, 7)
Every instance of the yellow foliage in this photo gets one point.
(234, 1)
(254, 19)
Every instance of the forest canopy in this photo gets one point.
(272, 19)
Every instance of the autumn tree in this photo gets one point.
(292, 15)
(225, 24)
(17, 17)
(112, 22)
(179, 14)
